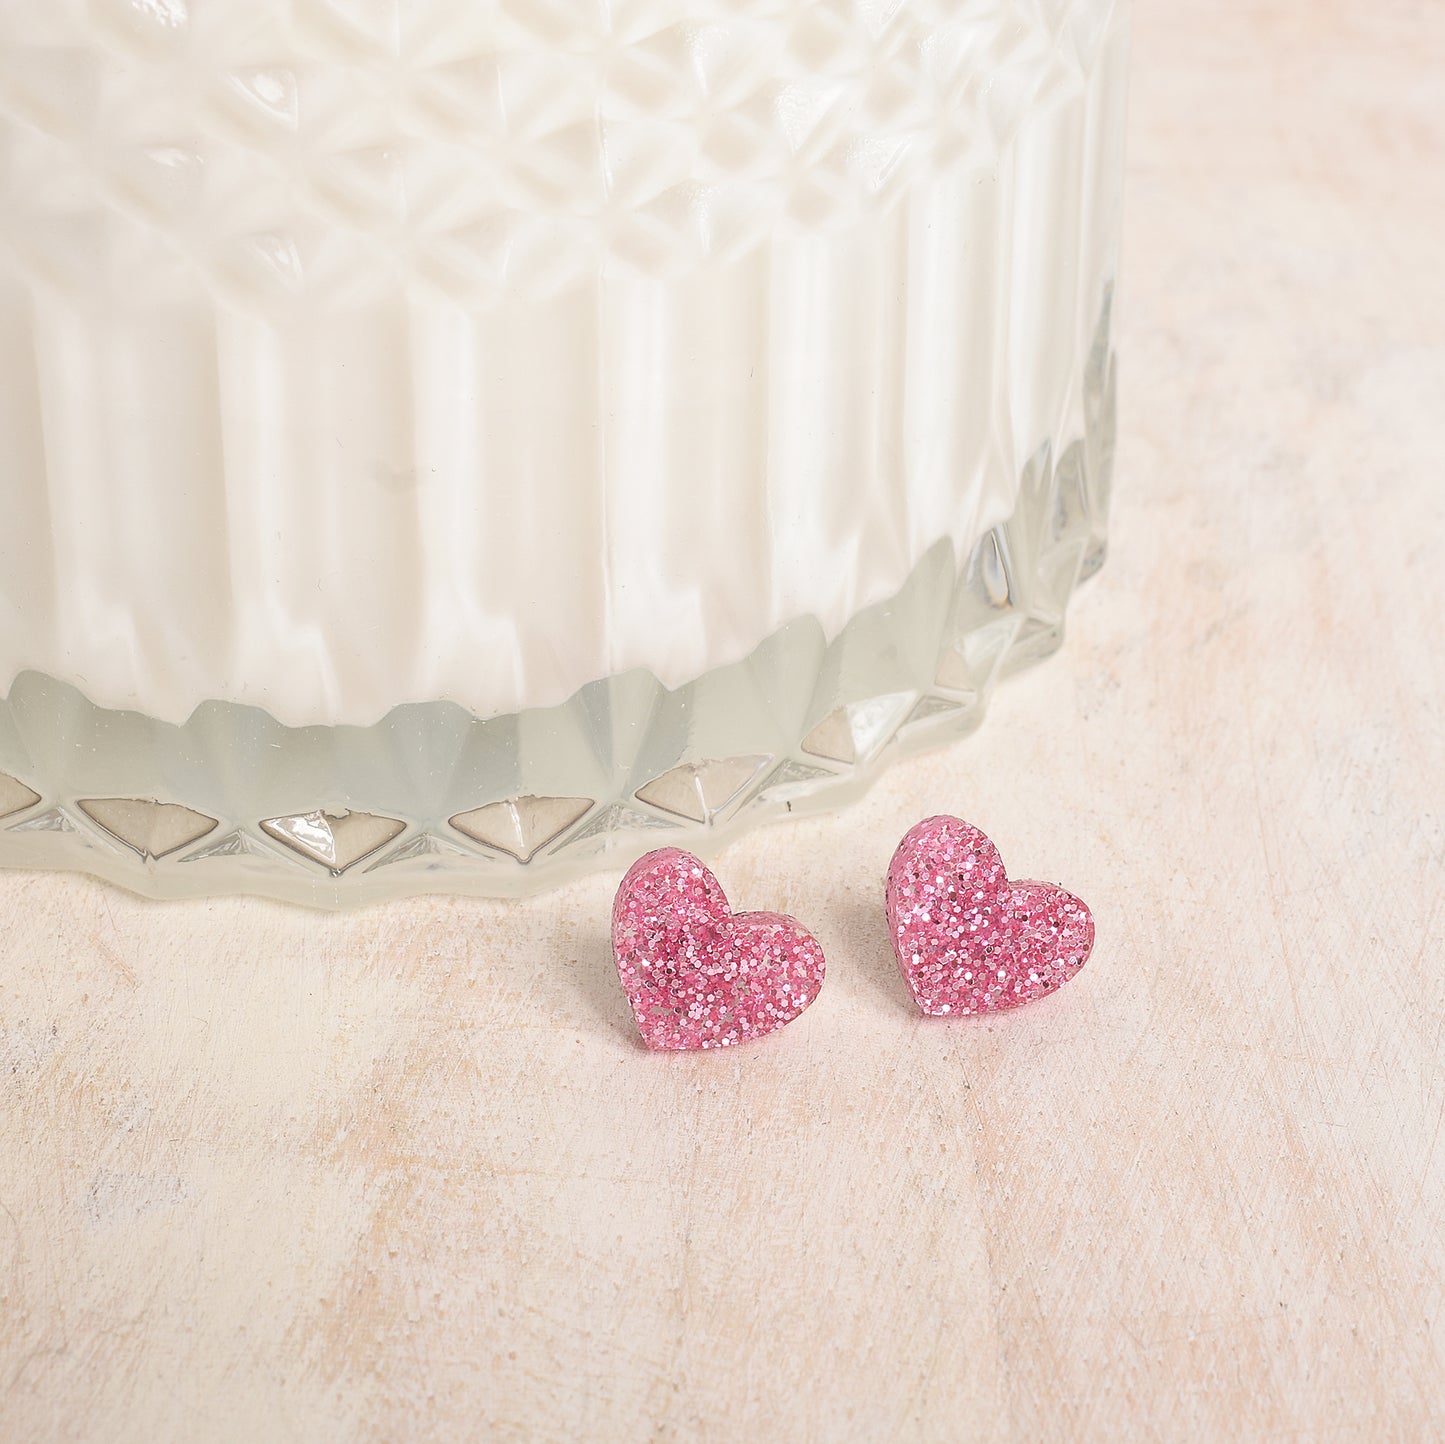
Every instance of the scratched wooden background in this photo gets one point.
(269, 1175)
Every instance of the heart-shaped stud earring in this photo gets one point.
(697, 974)
(967, 939)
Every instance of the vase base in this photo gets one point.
(434, 799)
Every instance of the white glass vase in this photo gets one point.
(445, 445)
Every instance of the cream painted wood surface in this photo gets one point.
(269, 1175)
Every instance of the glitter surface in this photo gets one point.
(967, 939)
(697, 974)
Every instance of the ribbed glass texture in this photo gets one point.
(444, 446)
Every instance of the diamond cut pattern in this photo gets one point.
(233, 845)
(15, 796)
(54, 819)
(957, 628)
(854, 733)
(522, 826)
(152, 829)
(337, 840)
(703, 791)
(423, 852)
(796, 779)
(599, 117)
(618, 818)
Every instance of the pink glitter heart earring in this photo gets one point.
(697, 974)
(967, 939)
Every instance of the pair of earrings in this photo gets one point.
(967, 940)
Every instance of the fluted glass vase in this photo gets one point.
(444, 446)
